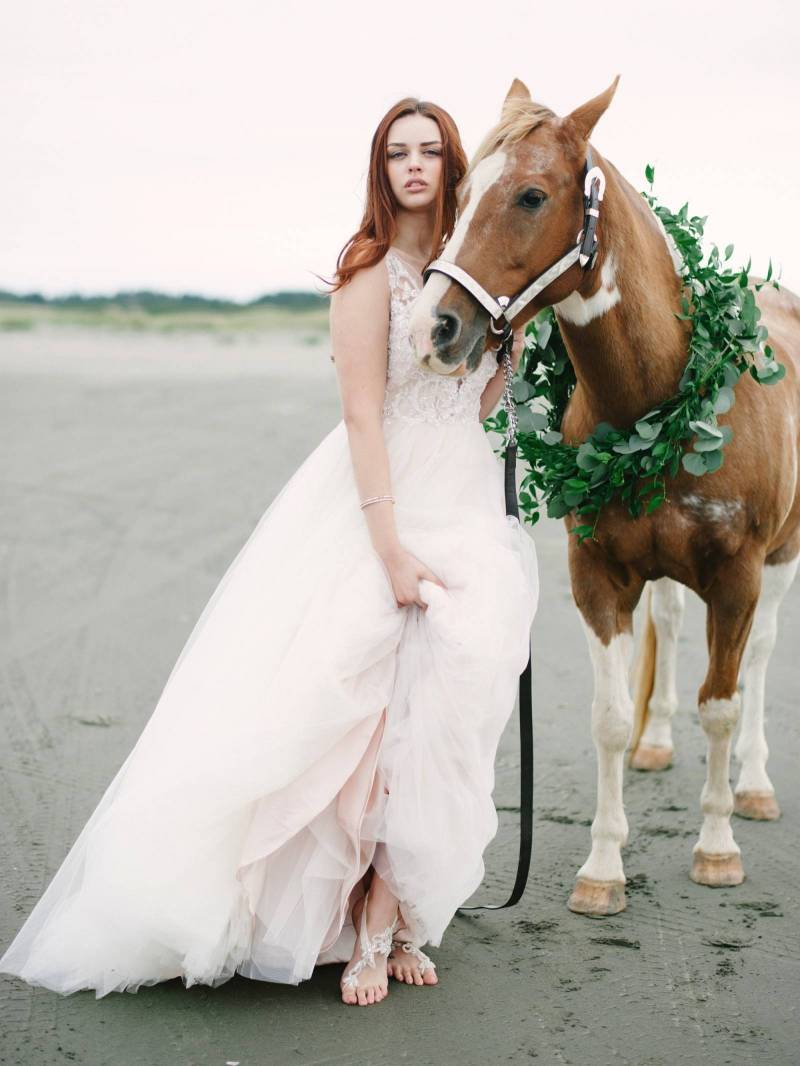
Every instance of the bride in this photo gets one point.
(315, 782)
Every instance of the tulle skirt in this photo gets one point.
(309, 728)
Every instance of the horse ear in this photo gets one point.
(586, 117)
(518, 91)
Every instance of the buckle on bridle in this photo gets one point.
(594, 186)
(505, 333)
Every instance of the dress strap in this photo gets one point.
(402, 267)
(391, 266)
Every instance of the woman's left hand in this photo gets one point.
(518, 347)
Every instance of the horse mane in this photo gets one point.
(520, 117)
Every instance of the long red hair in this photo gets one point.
(378, 225)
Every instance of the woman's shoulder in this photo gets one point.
(360, 311)
(368, 284)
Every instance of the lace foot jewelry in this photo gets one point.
(380, 944)
(425, 963)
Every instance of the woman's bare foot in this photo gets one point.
(404, 966)
(373, 981)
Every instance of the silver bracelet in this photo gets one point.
(376, 499)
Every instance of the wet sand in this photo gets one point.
(133, 468)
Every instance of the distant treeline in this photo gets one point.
(158, 303)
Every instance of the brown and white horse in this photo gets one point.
(732, 536)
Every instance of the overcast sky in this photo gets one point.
(221, 148)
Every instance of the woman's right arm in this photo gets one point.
(359, 326)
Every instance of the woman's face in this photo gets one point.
(414, 160)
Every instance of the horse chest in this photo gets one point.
(685, 539)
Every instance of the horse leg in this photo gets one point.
(654, 750)
(607, 617)
(755, 796)
(731, 602)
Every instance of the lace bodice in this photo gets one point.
(412, 391)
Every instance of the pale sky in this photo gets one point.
(221, 148)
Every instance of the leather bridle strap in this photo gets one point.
(466, 281)
(529, 295)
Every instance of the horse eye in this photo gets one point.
(532, 198)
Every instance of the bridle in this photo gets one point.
(503, 309)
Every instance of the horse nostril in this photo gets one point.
(446, 330)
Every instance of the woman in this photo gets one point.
(321, 758)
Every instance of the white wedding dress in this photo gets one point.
(310, 726)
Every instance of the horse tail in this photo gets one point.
(643, 672)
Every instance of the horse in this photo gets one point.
(732, 536)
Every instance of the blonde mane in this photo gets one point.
(519, 118)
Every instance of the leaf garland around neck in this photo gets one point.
(632, 465)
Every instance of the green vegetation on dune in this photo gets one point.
(147, 310)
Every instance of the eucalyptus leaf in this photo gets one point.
(648, 430)
(556, 508)
(725, 400)
(694, 463)
(522, 390)
(730, 375)
(705, 430)
(529, 421)
(774, 374)
(543, 331)
(587, 459)
(714, 460)
(708, 444)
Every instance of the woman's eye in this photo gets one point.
(532, 198)
(428, 151)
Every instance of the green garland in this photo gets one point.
(633, 465)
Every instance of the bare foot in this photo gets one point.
(373, 981)
(404, 966)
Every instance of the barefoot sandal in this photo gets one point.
(380, 944)
(425, 963)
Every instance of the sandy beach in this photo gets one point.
(133, 468)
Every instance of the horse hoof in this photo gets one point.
(761, 806)
(717, 871)
(651, 757)
(597, 898)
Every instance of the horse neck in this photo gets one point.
(626, 345)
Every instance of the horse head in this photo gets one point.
(521, 207)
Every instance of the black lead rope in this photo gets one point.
(525, 679)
